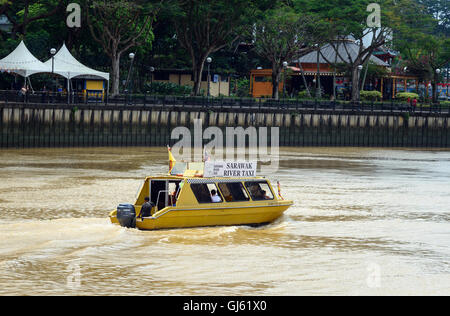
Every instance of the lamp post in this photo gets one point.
(152, 70)
(406, 79)
(360, 67)
(53, 52)
(318, 88)
(435, 92)
(127, 85)
(448, 73)
(209, 61)
(285, 64)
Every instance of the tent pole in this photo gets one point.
(29, 82)
(68, 90)
(71, 92)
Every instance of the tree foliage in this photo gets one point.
(239, 35)
(22, 13)
(204, 27)
(348, 19)
(440, 11)
(118, 26)
(423, 44)
(282, 35)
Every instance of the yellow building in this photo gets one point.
(91, 88)
(219, 83)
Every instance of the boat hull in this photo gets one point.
(200, 217)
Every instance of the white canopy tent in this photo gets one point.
(23, 63)
(67, 66)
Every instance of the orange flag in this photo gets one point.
(172, 160)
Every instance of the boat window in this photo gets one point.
(259, 191)
(158, 193)
(233, 192)
(204, 193)
(174, 191)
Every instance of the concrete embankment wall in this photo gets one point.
(25, 126)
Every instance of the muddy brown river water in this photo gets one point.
(365, 222)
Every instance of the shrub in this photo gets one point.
(168, 88)
(240, 87)
(303, 94)
(404, 96)
(370, 95)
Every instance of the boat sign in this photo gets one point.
(230, 169)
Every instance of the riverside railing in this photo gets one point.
(221, 103)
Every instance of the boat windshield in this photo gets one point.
(259, 190)
(179, 168)
(233, 192)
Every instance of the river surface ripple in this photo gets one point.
(365, 222)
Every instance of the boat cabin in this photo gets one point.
(194, 192)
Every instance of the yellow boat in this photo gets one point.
(191, 200)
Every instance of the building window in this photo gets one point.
(161, 76)
(262, 79)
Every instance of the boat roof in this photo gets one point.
(203, 179)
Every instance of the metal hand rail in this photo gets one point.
(159, 195)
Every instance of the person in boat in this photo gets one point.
(173, 195)
(215, 198)
(264, 195)
(146, 210)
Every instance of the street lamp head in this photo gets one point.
(131, 55)
(285, 64)
(53, 51)
(152, 69)
(360, 67)
(209, 60)
(438, 71)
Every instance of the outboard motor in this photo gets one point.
(126, 215)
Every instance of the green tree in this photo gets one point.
(204, 27)
(426, 56)
(440, 11)
(424, 47)
(343, 19)
(119, 26)
(281, 35)
(22, 13)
